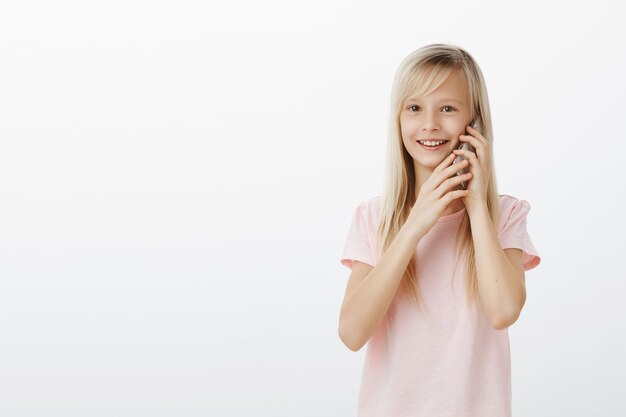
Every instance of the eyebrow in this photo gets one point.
(443, 99)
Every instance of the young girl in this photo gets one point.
(437, 335)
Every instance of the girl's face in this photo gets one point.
(441, 115)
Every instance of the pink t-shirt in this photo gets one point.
(453, 363)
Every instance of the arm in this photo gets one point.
(368, 298)
(501, 277)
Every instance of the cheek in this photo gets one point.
(407, 136)
(407, 130)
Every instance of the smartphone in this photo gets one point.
(459, 158)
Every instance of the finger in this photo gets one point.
(456, 180)
(472, 140)
(475, 141)
(456, 194)
(454, 168)
(475, 132)
(452, 183)
(465, 153)
(445, 162)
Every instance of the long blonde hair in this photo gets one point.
(421, 72)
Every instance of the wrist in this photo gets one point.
(414, 229)
(476, 211)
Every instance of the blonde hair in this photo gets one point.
(421, 72)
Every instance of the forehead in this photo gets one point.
(454, 88)
(438, 99)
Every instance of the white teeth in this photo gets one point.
(430, 143)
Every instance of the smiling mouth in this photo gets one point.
(431, 144)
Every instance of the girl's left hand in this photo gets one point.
(480, 167)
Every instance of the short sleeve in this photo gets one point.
(357, 245)
(514, 233)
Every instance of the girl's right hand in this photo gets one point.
(437, 192)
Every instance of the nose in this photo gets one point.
(431, 122)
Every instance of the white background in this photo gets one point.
(177, 180)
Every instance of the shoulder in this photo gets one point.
(375, 201)
(508, 202)
(507, 198)
(369, 210)
(374, 206)
(512, 207)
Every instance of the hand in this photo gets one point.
(437, 192)
(480, 167)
